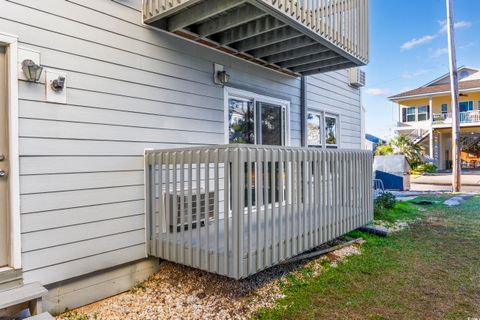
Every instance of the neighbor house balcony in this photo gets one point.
(467, 118)
(236, 210)
(298, 37)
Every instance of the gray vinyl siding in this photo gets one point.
(331, 93)
(130, 87)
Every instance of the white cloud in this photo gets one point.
(468, 45)
(439, 52)
(457, 25)
(429, 37)
(417, 42)
(378, 92)
(414, 74)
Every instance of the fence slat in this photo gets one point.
(190, 208)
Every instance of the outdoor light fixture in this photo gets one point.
(58, 84)
(223, 77)
(31, 70)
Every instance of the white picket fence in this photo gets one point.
(236, 210)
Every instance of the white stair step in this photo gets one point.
(41, 316)
(21, 294)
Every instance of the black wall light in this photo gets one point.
(58, 84)
(223, 77)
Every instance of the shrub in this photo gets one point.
(384, 150)
(423, 167)
(386, 200)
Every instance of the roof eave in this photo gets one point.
(422, 95)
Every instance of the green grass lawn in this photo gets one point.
(428, 271)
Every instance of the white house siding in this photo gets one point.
(331, 93)
(130, 87)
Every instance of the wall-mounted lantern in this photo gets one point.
(31, 70)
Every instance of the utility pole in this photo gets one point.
(456, 148)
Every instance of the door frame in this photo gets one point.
(11, 44)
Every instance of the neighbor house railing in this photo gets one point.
(472, 116)
(238, 209)
(342, 22)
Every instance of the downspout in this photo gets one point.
(303, 111)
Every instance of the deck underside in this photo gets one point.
(255, 31)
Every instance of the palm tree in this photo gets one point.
(411, 150)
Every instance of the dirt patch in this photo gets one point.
(179, 292)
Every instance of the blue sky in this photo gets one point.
(409, 48)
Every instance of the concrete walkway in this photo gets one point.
(442, 182)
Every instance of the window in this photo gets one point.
(254, 119)
(410, 114)
(331, 131)
(444, 108)
(322, 130)
(314, 129)
(464, 74)
(272, 122)
(466, 106)
(241, 121)
(423, 113)
(478, 104)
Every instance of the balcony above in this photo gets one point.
(297, 37)
(467, 118)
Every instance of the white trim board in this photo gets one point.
(11, 43)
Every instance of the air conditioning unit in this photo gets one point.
(175, 210)
(357, 77)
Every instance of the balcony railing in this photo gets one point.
(472, 116)
(238, 209)
(298, 36)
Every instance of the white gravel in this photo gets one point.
(179, 292)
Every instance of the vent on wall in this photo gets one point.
(357, 77)
(175, 210)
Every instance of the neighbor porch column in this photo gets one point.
(430, 104)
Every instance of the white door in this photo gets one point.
(4, 233)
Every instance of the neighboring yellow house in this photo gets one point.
(425, 116)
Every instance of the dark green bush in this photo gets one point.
(386, 200)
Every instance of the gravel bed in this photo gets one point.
(180, 292)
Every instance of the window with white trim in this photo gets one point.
(331, 131)
(410, 114)
(314, 129)
(256, 119)
(444, 108)
(322, 129)
(423, 113)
